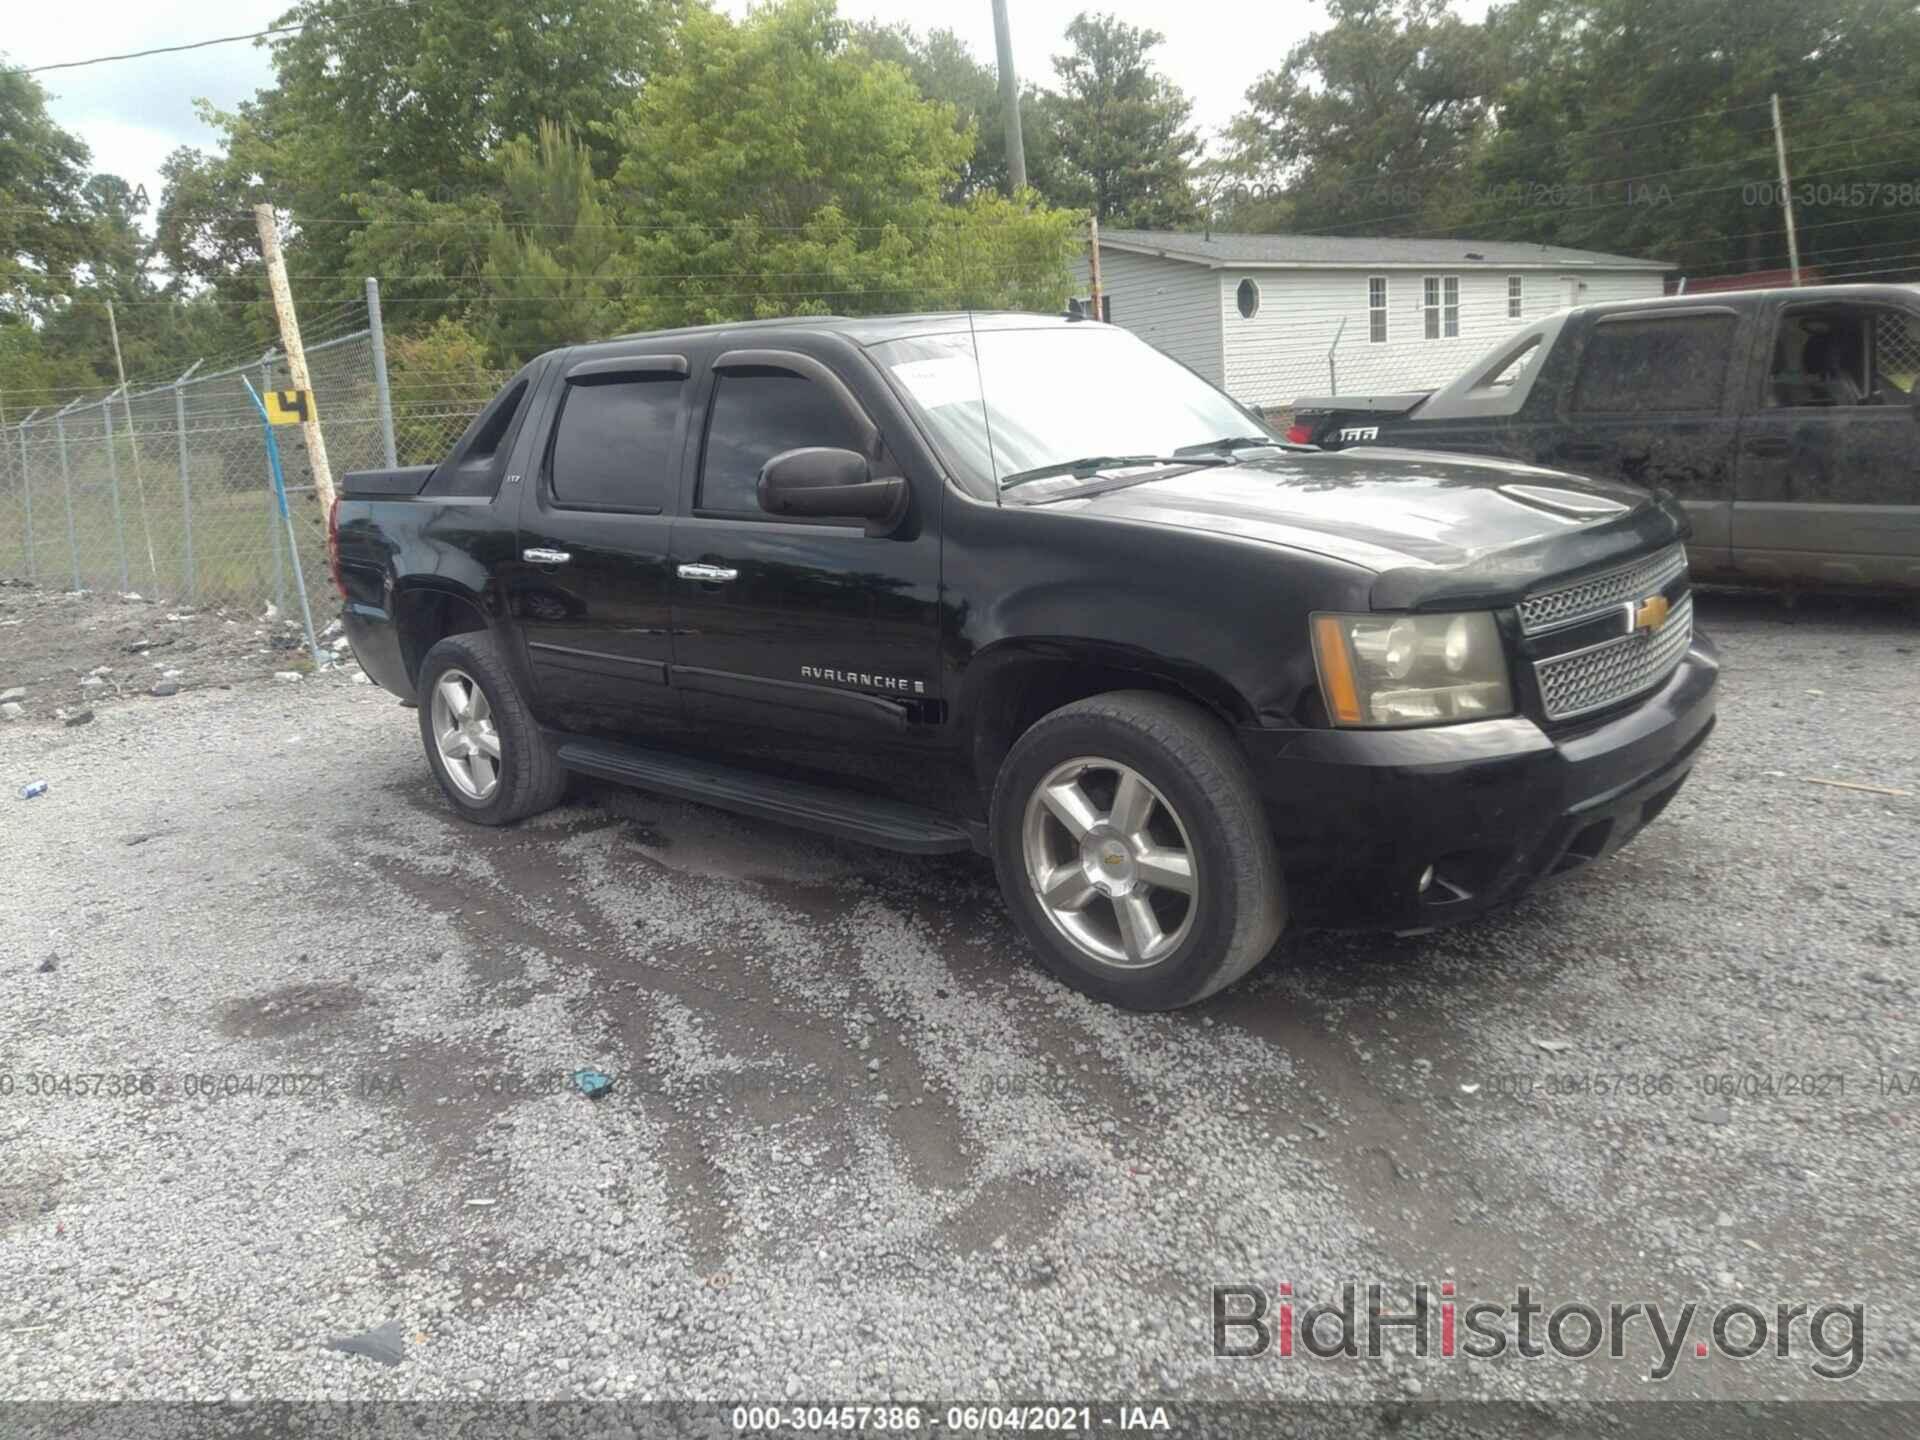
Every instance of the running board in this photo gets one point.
(865, 819)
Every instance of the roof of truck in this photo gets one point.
(864, 329)
(1729, 299)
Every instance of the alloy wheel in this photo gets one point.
(464, 732)
(1110, 862)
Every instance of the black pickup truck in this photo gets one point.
(1024, 586)
(1784, 420)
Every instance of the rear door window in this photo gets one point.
(615, 447)
(1671, 364)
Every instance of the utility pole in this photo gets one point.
(1009, 100)
(296, 353)
(1786, 189)
(133, 437)
(1093, 264)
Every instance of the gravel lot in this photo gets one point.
(857, 1145)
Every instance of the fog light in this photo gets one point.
(1426, 879)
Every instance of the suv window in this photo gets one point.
(756, 415)
(1672, 363)
(614, 446)
(1843, 355)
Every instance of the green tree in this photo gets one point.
(946, 72)
(1596, 147)
(553, 260)
(1126, 149)
(46, 222)
(380, 110)
(775, 167)
(1372, 121)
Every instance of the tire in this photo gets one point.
(527, 777)
(1196, 793)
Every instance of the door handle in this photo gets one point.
(710, 574)
(537, 556)
(1768, 445)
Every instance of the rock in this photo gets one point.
(10, 710)
(82, 716)
(92, 682)
(13, 694)
(165, 687)
(51, 963)
(101, 670)
(382, 1343)
(292, 675)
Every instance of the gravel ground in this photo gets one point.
(857, 1145)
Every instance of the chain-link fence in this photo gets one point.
(167, 491)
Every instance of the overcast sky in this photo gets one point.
(133, 113)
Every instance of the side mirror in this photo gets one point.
(819, 482)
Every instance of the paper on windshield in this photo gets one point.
(939, 380)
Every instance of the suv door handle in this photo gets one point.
(537, 556)
(711, 574)
(1768, 445)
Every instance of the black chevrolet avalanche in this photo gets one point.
(1025, 586)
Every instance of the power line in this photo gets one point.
(271, 31)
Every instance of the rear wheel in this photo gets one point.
(1133, 850)
(491, 759)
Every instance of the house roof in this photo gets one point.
(1219, 249)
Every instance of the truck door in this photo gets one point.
(589, 584)
(1652, 402)
(1829, 481)
(803, 646)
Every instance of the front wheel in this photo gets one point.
(490, 757)
(1133, 850)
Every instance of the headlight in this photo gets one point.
(1382, 670)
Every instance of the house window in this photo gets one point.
(1516, 296)
(1442, 297)
(1377, 309)
(1450, 307)
(1248, 298)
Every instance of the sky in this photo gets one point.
(133, 113)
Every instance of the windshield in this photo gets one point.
(1053, 396)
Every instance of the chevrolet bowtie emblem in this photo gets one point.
(1649, 614)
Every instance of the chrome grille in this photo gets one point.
(1614, 670)
(1599, 593)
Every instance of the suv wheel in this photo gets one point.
(491, 759)
(1133, 850)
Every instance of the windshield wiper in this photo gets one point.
(1088, 466)
(1226, 445)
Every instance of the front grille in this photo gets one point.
(1553, 609)
(1614, 670)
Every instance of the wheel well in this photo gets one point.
(1025, 690)
(426, 617)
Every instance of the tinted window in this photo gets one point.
(614, 448)
(1656, 364)
(756, 415)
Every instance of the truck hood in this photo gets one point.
(1435, 528)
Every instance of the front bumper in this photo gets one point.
(1494, 807)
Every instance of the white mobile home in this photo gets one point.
(1271, 317)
